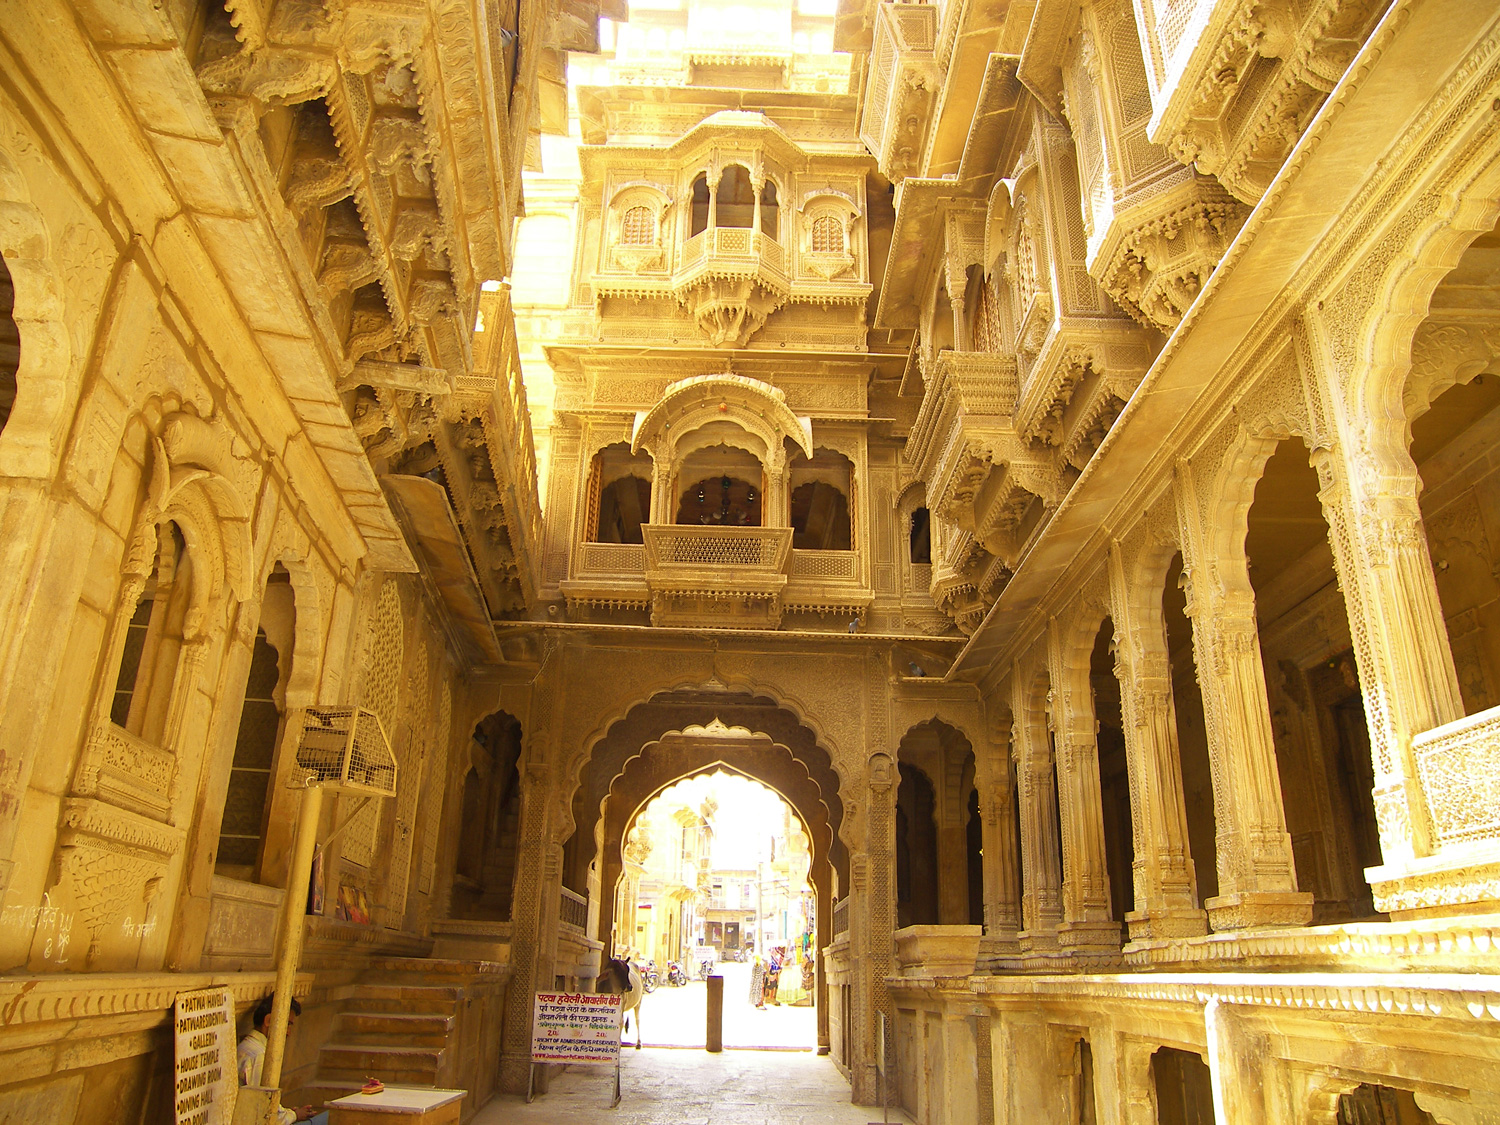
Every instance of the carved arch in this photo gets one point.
(1373, 349)
(197, 482)
(687, 405)
(1228, 506)
(32, 439)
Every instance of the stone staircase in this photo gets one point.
(398, 1024)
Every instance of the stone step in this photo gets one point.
(411, 999)
(395, 1029)
(432, 970)
(398, 1063)
(389, 1075)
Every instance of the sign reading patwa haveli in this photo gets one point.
(204, 1073)
(574, 1027)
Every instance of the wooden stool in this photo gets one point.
(414, 1105)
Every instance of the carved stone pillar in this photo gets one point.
(1369, 491)
(1165, 878)
(1002, 907)
(1257, 879)
(1405, 662)
(1041, 898)
(662, 500)
(871, 924)
(532, 927)
(1087, 917)
(776, 507)
(952, 850)
(1166, 893)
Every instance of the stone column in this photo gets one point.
(776, 504)
(1238, 1066)
(1087, 918)
(1401, 645)
(872, 910)
(1165, 881)
(531, 926)
(1370, 489)
(1123, 1086)
(662, 500)
(1002, 909)
(956, 1089)
(952, 847)
(1033, 1079)
(1257, 879)
(1041, 898)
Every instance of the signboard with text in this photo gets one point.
(205, 1074)
(574, 1027)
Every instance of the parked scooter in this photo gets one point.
(675, 976)
(649, 977)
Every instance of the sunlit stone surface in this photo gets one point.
(1050, 445)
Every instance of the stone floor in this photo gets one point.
(688, 1087)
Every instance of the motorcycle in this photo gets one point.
(675, 976)
(649, 977)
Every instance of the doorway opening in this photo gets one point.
(715, 882)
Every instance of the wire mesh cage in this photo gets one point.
(345, 750)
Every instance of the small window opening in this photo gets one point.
(735, 203)
(700, 204)
(920, 539)
(638, 227)
(770, 211)
(827, 235)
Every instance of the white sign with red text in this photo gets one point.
(575, 1027)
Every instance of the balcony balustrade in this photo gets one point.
(732, 577)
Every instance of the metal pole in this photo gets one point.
(293, 909)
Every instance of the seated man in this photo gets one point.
(251, 1056)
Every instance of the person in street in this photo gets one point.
(250, 1058)
(758, 983)
(773, 977)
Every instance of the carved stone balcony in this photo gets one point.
(901, 88)
(829, 583)
(730, 279)
(729, 577)
(1458, 768)
(607, 577)
(1233, 85)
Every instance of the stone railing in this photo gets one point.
(683, 546)
(1459, 767)
(841, 917)
(825, 564)
(899, 90)
(575, 910)
(611, 558)
(828, 582)
(737, 249)
(731, 577)
(607, 576)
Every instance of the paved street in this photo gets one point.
(677, 1017)
(666, 1087)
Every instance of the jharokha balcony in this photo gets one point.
(728, 576)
